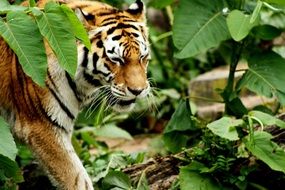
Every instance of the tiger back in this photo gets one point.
(115, 66)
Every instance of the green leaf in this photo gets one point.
(265, 75)
(4, 3)
(77, 27)
(5, 7)
(175, 141)
(198, 26)
(7, 144)
(266, 150)
(32, 3)
(159, 4)
(181, 119)
(278, 2)
(267, 119)
(117, 179)
(226, 128)
(112, 131)
(266, 32)
(190, 179)
(174, 134)
(239, 24)
(256, 12)
(61, 39)
(234, 105)
(10, 169)
(22, 34)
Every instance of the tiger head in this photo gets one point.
(117, 62)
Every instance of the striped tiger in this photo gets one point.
(43, 117)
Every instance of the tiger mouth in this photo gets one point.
(113, 100)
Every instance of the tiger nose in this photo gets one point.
(135, 92)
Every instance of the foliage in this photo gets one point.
(195, 36)
(208, 31)
(9, 171)
(16, 26)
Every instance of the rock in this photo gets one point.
(204, 92)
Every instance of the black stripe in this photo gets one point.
(48, 117)
(96, 72)
(95, 59)
(99, 44)
(51, 80)
(108, 19)
(135, 34)
(72, 85)
(118, 17)
(112, 11)
(96, 37)
(108, 23)
(63, 107)
(129, 20)
(91, 80)
(30, 100)
(20, 78)
(121, 26)
(107, 66)
(118, 60)
(116, 38)
(112, 50)
(88, 16)
(85, 57)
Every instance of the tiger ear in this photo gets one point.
(137, 10)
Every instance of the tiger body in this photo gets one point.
(43, 117)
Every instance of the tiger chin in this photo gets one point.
(115, 67)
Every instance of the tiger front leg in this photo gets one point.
(53, 149)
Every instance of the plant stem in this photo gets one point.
(162, 36)
(234, 62)
(229, 89)
(170, 15)
(158, 56)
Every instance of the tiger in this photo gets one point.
(44, 117)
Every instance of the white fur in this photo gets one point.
(134, 6)
(65, 94)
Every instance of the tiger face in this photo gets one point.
(117, 62)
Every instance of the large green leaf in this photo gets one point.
(22, 34)
(112, 131)
(226, 127)
(239, 24)
(198, 26)
(265, 76)
(266, 150)
(77, 27)
(192, 180)
(7, 144)
(60, 38)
